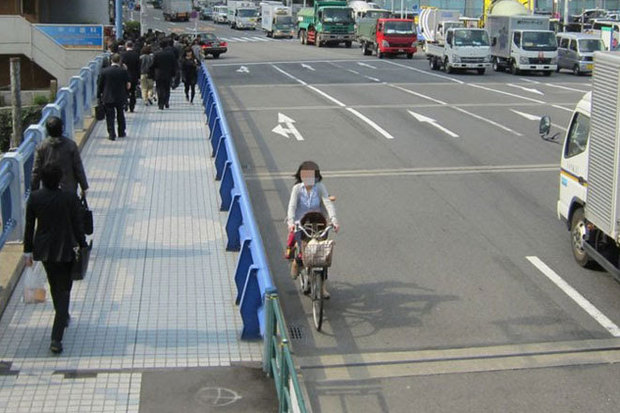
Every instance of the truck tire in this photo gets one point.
(577, 232)
(380, 54)
(514, 69)
(348, 44)
(496, 66)
(547, 73)
(302, 36)
(576, 70)
(216, 55)
(432, 63)
(409, 55)
(446, 66)
(481, 71)
(366, 50)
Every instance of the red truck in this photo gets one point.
(387, 37)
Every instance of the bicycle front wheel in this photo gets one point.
(317, 299)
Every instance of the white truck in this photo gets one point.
(242, 14)
(589, 200)
(220, 14)
(522, 43)
(434, 24)
(176, 10)
(465, 49)
(277, 20)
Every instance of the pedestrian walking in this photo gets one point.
(165, 67)
(146, 81)
(59, 150)
(189, 68)
(112, 89)
(197, 48)
(56, 216)
(131, 60)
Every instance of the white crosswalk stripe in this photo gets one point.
(253, 39)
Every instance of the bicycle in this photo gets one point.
(316, 259)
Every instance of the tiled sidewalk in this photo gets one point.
(159, 292)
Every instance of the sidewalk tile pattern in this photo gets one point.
(159, 292)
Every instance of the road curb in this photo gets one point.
(11, 254)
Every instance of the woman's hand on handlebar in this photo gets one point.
(291, 228)
(336, 228)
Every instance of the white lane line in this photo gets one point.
(527, 89)
(339, 103)
(305, 66)
(374, 79)
(536, 118)
(460, 82)
(425, 119)
(411, 92)
(566, 88)
(260, 39)
(326, 96)
(289, 75)
(290, 62)
(540, 102)
(249, 39)
(371, 123)
(563, 108)
(366, 65)
(576, 296)
(530, 80)
(353, 71)
(238, 39)
(473, 115)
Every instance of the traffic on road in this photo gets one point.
(454, 286)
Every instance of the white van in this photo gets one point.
(576, 51)
(608, 31)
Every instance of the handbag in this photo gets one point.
(87, 216)
(80, 263)
(99, 111)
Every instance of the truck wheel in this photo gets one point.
(366, 50)
(317, 40)
(409, 55)
(547, 73)
(481, 71)
(432, 63)
(577, 232)
(380, 54)
(302, 36)
(446, 66)
(348, 44)
(496, 65)
(216, 55)
(514, 69)
(576, 70)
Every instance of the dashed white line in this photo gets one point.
(326, 96)
(371, 123)
(576, 296)
(460, 82)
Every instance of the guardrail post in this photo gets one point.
(51, 109)
(17, 202)
(33, 135)
(233, 223)
(87, 97)
(226, 186)
(270, 331)
(65, 98)
(221, 156)
(244, 262)
(250, 305)
(77, 89)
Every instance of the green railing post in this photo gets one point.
(270, 330)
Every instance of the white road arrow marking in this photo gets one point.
(243, 69)
(366, 65)
(290, 128)
(527, 89)
(374, 79)
(307, 67)
(433, 122)
(526, 115)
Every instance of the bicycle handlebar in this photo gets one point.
(298, 227)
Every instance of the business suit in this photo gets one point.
(59, 229)
(165, 67)
(131, 59)
(64, 153)
(112, 90)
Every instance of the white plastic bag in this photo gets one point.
(34, 285)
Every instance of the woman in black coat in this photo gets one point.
(189, 68)
(59, 229)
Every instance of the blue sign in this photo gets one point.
(75, 36)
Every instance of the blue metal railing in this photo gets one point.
(71, 105)
(256, 294)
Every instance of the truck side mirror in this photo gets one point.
(545, 126)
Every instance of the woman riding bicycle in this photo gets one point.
(308, 195)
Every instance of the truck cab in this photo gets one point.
(533, 50)
(464, 49)
(328, 22)
(388, 37)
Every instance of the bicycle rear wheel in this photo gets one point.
(317, 299)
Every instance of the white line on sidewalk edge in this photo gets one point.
(576, 296)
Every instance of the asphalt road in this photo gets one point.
(446, 196)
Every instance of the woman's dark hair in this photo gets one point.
(51, 174)
(308, 166)
(146, 50)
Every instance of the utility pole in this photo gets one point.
(16, 104)
(565, 15)
(119, 19)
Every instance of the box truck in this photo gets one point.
(176, 10)
(589, 199)
(522, 43)
(277, 20)
(464, 49)
(242, 14)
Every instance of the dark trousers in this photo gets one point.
(131, 94)
(112, 110)
(163, 92)
(190, 86)
(59, 278)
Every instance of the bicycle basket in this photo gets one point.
(318, 253)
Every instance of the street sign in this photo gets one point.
(75, 36)
(131, 5)
(193, 15)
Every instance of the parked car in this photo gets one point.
(576, 51)
(157, 4)
(206, 13)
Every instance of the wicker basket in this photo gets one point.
(318, 253)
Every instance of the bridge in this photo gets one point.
(177, 277)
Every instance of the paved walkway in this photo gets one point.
(159, 292)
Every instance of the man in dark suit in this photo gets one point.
(59, 228)
(165, 67)
(131, 59)
(112, 89)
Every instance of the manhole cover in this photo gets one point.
(217, 396)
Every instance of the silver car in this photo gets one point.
(576, 51)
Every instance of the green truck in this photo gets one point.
(328, 22)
